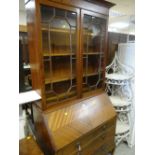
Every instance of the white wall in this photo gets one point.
(22, 17)
(126, 54)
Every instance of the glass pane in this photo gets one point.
(59, 51)
(93, 53)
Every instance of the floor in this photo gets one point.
(123, 149)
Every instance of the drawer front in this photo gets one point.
(102, 143)
(99, 135)
(105, 148)
(98, 147)
(103, 130)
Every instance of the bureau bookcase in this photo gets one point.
(68, 48)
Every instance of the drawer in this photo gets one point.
(98, 147)
(105, 148)
(103, 143)
(109, 126)
(99, 135)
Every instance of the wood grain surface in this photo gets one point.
(71, 122)
(28, 146)
(84, 122)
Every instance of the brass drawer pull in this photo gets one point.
(79, 148)
(104, 126)
(103, 137)
(104, 148)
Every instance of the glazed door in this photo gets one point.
(94, 27)
(59, 29)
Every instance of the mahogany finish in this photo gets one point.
(38, 34)
(33, 43)
(68, 46)
(89, 123)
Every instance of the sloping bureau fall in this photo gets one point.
(82, 127)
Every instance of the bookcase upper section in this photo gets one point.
(67, 44)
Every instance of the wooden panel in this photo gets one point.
(34, 61)
(69, 123)
(33, 23)
(63, 126)
(106, 148)
(98, 143)
(28, 146)
(99, 137)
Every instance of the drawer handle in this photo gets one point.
(104, 148)
(103, 137)
(79, 148)
(104, 127)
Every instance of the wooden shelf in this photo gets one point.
(62, 95)
(65, 78)
(57, 79)
(90, 33)
(58, 54)
(90, 74)
(58, 30)
(68, 54)
(62, 30)
(91, 53)
(87, 93)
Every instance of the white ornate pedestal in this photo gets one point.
(118, 87)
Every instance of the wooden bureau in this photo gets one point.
(68, 52)
(81, 128)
